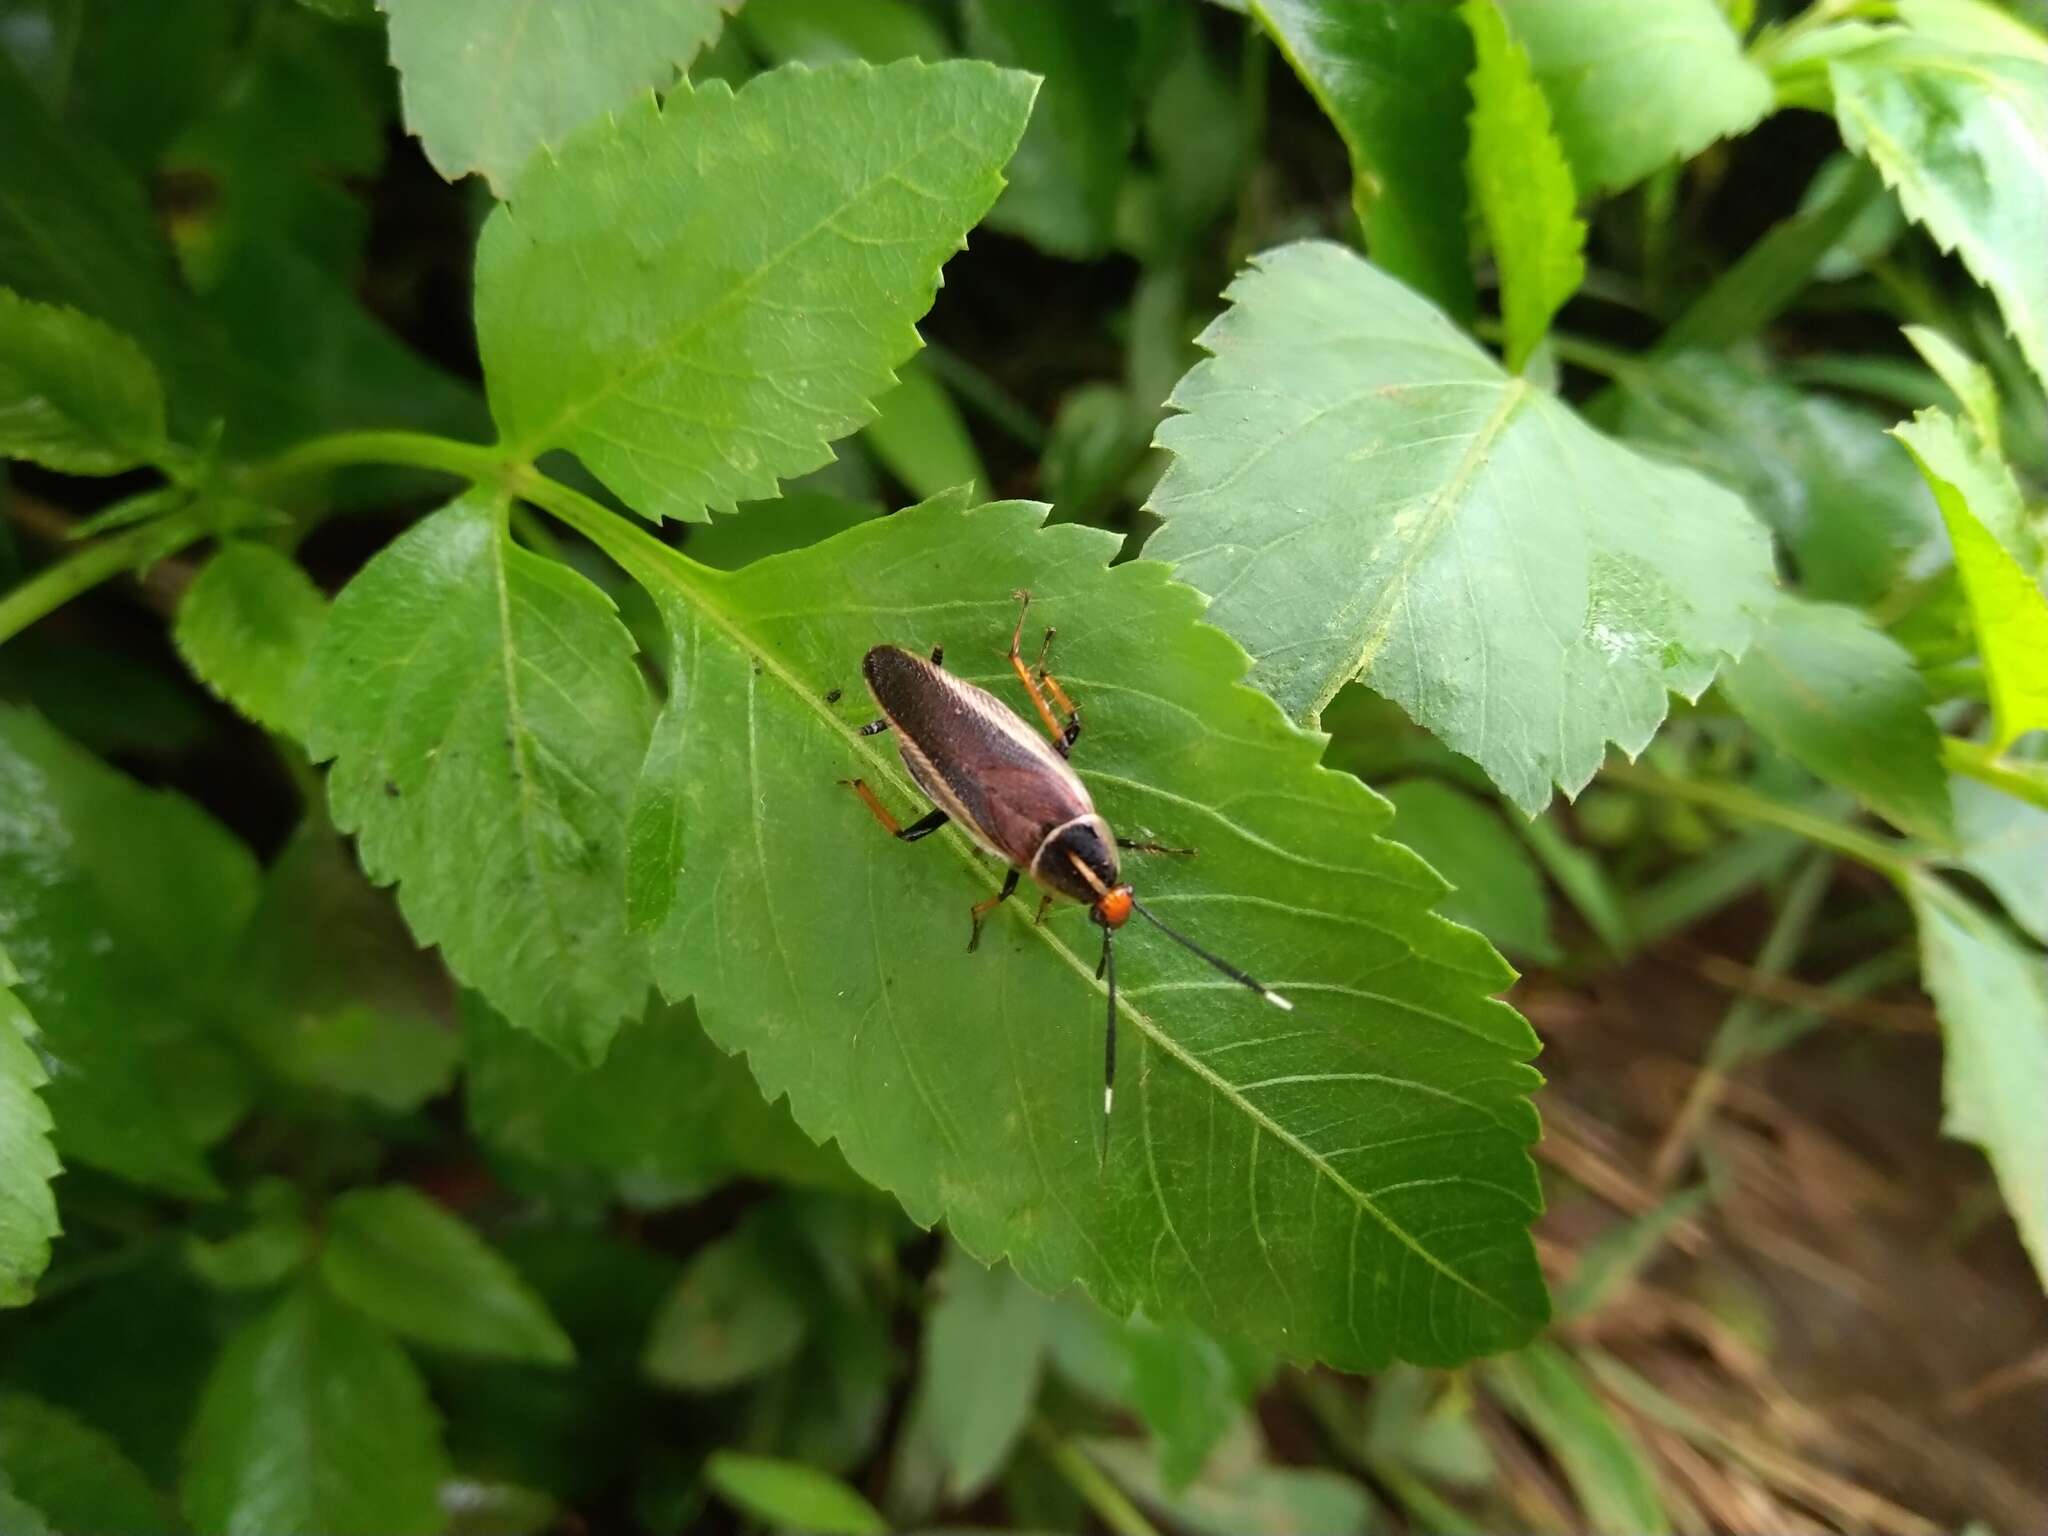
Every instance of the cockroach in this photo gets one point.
(1016, 795)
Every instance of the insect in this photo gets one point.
(1014, 793)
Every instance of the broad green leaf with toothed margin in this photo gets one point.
(1991, 991)
(486, 720)
(120, 907)
(1364, 493)
(314, 1422)
(75, 395)
(485, 83)
(246, 627)
(28, 1162)
(1963, 138)
(1345, 1182)
(696, 297)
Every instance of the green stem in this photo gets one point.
(1890, 858)
(144, 544)
(466, 461)
(1096, 1490)
(1973, 759)
(1608, 362)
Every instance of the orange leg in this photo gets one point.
(981, 909)
(924, 826)
(1063, 735)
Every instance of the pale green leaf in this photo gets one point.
(1248, 1495)
(1992, 994)
(314, 1423)
(1636, 84)
(275, 1244)
(331, 992)
(1069, 167)
(2007, 607)
(789, 1496)
(1365, 494)
(829, 31)
(75, 395)
(1970, 380)
(425, 1274)
(120, 907)
(1963, 138)
(1370, 1144)
(731, 1317)
(978, 1375)
(1977, 24)
(641, 303)
(486, 720)
(1830, 689)
(1943, 448)
(1521, 184)
(246, 627)
(1608, 1467)
(17, 1518)
(485, 83)
(28, 1162)
(1391, 76)
(1494, 883)
(919, 436)
(1845, 502)
(75, 1477)
(667, 1110)
(2003, 841)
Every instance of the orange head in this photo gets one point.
(1112, 908)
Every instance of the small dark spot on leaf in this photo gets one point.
(391, 788)
(834, 696)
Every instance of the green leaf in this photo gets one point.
(759, 529)
(275, 1244)
(332, 993)
(1246, 1496)
(75, 1477)
(486, 720)
(1391, 1104)
(667, 1110)
(693, 343)
(2003, 841)
(978, 1376)
(1963, 138)
(830, 31)
(732, 1316)
(314, 1423)
(1391, 76)
(1844, 501)
(1830, 689)
(2007, 607)
(485, 83)
(1608, 1467)
(1609, 1264)
(28, 1162)
(17, 1518)
(121, 907)
(791, 1496)
(1495, 886)
(1992, 994)
(1970, 380)
(1976, 24)
(921, 439)
(1187, 1387)
(1069, 167)
(1523, 587)
(425, 1274)
(246, 627)
(1521, 184)
(1636, 84)
(75, 395)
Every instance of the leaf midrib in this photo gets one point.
(638, 548)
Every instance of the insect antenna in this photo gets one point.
(1108, 967)
(1240, 977)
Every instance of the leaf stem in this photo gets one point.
(1884, 855)
(1100, 1494)
(421, 450)
(1975, 760)
(144, 544)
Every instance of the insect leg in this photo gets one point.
(938, 655)
(924, 826)
(1062, 735)
(1044, 906)
(982, 909)
(874, 727)
(1071, 731)
(1137, 847)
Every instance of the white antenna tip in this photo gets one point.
(1107, 1095)
(1276, 1000)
